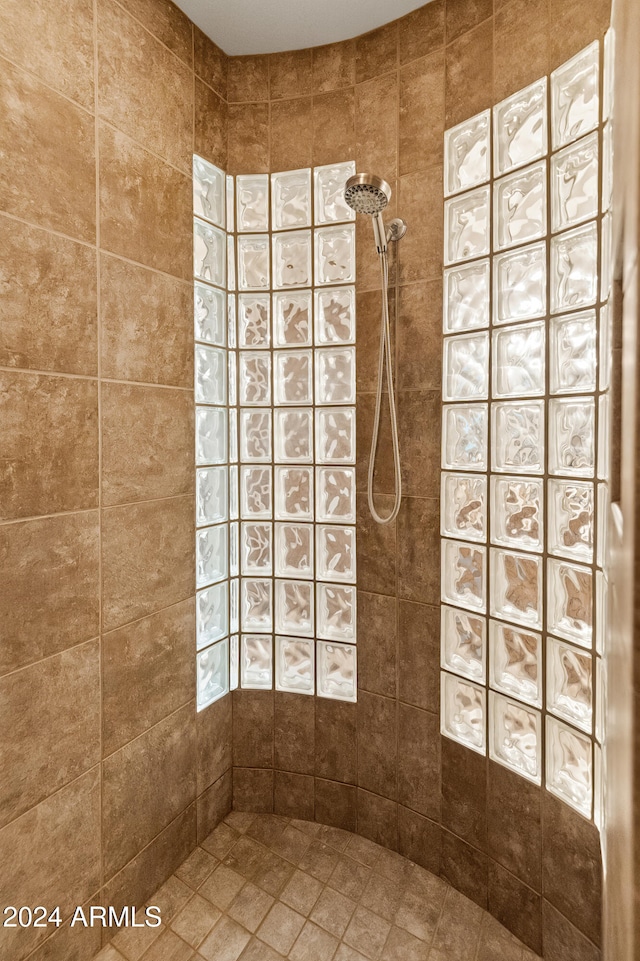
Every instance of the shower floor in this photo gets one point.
(264, 888)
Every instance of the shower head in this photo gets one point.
(367, 194)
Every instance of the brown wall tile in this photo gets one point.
(419, 419)
(294, 732)
(419, 655)
(252, 790)
(290, 74)
(377, 52)
(248, 126)
(368, 308)
(419, 761)
(419, 336)
(335, 804)
(421, 31)
(334, 131)
(562, 941)
(291, 150)
(520, 45)
(377, 638)
(294, 795)
(377, 748)
(68, 943)
(419, 550)
(421, 97)
(464, 812)
(214, 804)
(516, 906)
(248, 79)
(214, 736)
(336, 740)
(378, 819)
(573, 25)
(465, 868)
(166, 22)
(253, 728)
(211, 63)
(377, 126)
(210, 125)
(334, 66)
(469, 74)
(514, 824)
(420, 204)
(419, 839)
(376, 547)
(463, 15)
(383, 473)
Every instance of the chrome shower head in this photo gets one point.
(367, 194)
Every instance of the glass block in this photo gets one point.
(255, 492)
(230, 201)
(569, 601)
(234, 605)
(520, 206)
(209, 253)
(256, 657)
(518, 361)
(292, 379)
(599, 797)
(572, 353)
(292, 259)
(609, 62)
(571, 436)
(212, 674)
(463, 575)
(574, 268)
(570, 684)
(607, 167)
(294, 493)
(212, 614)
(295, 665)
(336, 435)
(569, 765)
(211, 435)
(463, 643)
(256, 605)
(329, 184)
(516, 512)
(574, 96)
(606, 257)
(604, 433)
(234, 549)
(255, 378)
(292, 321)
(336, 375)
(294, 550)
(463, 712)
(516, 587)
(574, 183)
(336, 495)
(209, 314)
(231, 264)
(252, 191)
(518, 432)
(570, 531)
(465, 431)
(520, 284)
(335, 255)
(208, 192)
(466, 297)
(211, 496)
(464, 507)
(515, 656)
(234, 662)
(335, 553)
(336, 613)
(231, 321)
(467, 221)
(232, 361)
(210, 375)
(256, 549)
(520, 128)
(602, 540)
(605, 351)
(294, 608)
(211, 555)
(601, 698)
(233, 435)
(467, 154)
(255, 436)
(337, 678)
(253, 321)
(293, 436)
(466, 367)
(515, 737)
(291, 199)
(253, 262)
(335, 316)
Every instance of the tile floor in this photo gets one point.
(264, 888)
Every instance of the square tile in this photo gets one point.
(367, 932)
(313, 944)
(222, 887)
(281, 927)
(250, 907)
(350, 877)
(195, 920)
(333, 912)
(226, 942)
(301, 892)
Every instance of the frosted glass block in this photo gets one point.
(515, 656)
(520, 206)
(335, 255)
(295, 665)
(210, 375)
(571, 519)
(599, 799)
(253, 262)
(253, 321)
(252, 191)
(516, 512)
(335, 316)
(465, 431)
(234, 605)
(607, 167)
(292, 319)
(574, 268)
(294, 608)
(604, 348)
(520, 128)
(516, 587)
(606, 258)
(255, 378)
(256, 605)
(336, 375)
(463, 712)
(291, 199)
(292, 379)
(232, 362)
(209, 253)
(294, 550)
(231, 264)
(335, 553)
(572, 353)
(212, 614)
(234, 549)
(464, 507)
(336, 614)
(211, 496)
(293, 436)
(336, 435)
(571, 436)
(466, 220)
(234, 662)
(520, 284)
(602, 549)
(464, 575)
(518, 433)
(463, 647)
(256, 657)
(212, 674)
(233, 435)
(601, 698)
(574, 96)
(569, 765)
(292, 259)
(256, 549)
(337, 678)
(569, 601)
(211, 555)
(329, 184)
(574, 183)
(294, 493)
(518, 361)
(466, 297)
(336, 495)
(209, 314)
(515, 737)
(255, 436)
(255, 492)
(230, 202)
(570, 684)
(231, 321)
(467, 154)
(608, 82)
(211, 435)
(466, 367)
(208, 192)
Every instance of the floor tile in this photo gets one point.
(195, 920)
(333, 911)
(257, 951)
(169, 947)
(273, 873)
(266, 828)
(250, 907)
(240, 820)
(350, 877)
(402, 946)
(302, 892)
(367, 932)
(221, 840)
(281, 927)
(363, 850)
(197, 868)
(226, 941)
(245, 857)
(382, 896)
(319, 861)
(222, 887)
(291, 844)
(313, 944)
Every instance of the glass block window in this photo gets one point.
(526, 374)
